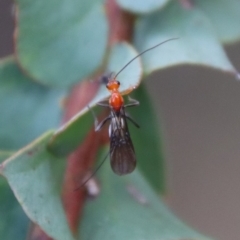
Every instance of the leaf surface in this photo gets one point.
(142, 6)
(27, 108)
(197, 43)
(34, 176)
(60, 42)
(127, 208)
(13, 221)
(225, 17)
(147, 140)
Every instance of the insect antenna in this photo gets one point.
(94, 172)
(170, 39)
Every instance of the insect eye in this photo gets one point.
(104, 79)
(118, 83)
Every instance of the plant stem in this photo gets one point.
(82, 159)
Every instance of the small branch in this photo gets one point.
(79, 163)
(187, 4)
(36, 233)
(121, 23)
(82, 159)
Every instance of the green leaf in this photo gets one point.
(70, 135)
(142, 6)
(4, 155)
(225, 17)
(13, 222)
(197, 43)
(35, 175)
(127, 208)
(60, 42)
(27, 108)
(147, 140)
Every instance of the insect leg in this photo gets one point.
(132, 121)
(103, 104)
(93, 173)
(132, 103)
(98, 125)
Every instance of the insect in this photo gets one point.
(122, 153)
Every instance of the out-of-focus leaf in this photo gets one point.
(142, 6)
(4, 155)
(69, 136)
(13, 221)
(60, 42)
(27, 108)
(34, 176)
(147, 140)
(127, 208)
(197, 43)
(225, 17)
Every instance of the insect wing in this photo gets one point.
(122, 155)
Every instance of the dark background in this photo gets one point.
(199, 110)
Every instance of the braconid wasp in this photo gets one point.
(122, 153)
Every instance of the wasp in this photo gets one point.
(122, 154)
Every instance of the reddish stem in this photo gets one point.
(81, 160)
(187, 4)
(36, 233)
(121, 23)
